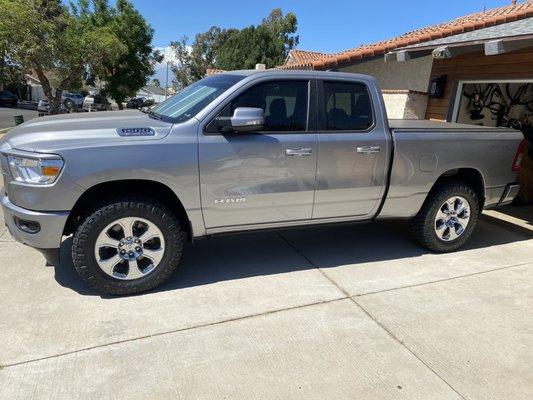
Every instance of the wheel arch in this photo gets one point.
(471, 176)
(101, 192)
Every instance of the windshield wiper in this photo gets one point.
(152, 113)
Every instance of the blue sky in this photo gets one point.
(326, 26)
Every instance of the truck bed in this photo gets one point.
(427, 125)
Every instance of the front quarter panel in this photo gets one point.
(172, 161)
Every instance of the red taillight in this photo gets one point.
(519, 155)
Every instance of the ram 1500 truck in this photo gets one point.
(240, 151)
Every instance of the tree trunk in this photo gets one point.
(119, 102)
(53, 100)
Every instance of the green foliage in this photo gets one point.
(156, 82)
(11, 75)
(44, 36)
(267, 43)
(128, 73)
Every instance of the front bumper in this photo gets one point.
(51, 225)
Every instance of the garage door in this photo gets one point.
(506, 103)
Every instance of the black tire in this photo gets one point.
(69, 106)
(85, 236)
(423, 225)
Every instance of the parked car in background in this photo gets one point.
(72, 101)
(239, 151)
(96, 102)
(139, 102)
(8, 99)
(43, 107)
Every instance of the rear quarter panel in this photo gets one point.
(422, 156)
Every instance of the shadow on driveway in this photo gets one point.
(247, 255)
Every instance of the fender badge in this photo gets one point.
(135, 132)
(227, 200)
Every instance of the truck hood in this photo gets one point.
(52, 133)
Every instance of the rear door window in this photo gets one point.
(348, 106)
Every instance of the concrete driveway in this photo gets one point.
(338, 312)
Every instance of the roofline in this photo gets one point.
(358, 54)
(466, 43)
(145, 88)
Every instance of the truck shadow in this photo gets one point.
(248, 255)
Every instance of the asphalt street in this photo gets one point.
(7, 116)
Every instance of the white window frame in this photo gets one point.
(459, 91)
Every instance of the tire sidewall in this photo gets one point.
(87, 234)
(452, 190)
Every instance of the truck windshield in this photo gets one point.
(194, 98)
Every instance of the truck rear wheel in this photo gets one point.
(447, 218)
(127, 246)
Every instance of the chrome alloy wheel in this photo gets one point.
(129, 248)
(452, 218)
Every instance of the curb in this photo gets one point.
(27, 106)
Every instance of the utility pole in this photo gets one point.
(166, 84)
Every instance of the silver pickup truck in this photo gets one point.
(243, 151)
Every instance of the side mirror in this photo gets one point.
(244, 119)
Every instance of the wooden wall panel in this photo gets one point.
(473, 66)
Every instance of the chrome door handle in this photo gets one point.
(299, 152)
(368, 150)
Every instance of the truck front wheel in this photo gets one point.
(127, 246)
(447, 218)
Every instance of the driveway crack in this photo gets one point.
(383, 327)
(394, 337)
(157, 334)
(297, 250)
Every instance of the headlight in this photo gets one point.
(38, 171)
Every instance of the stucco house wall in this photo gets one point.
(149, 95)
(412, 75)
(404, 84)
(405, 104)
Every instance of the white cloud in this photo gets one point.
(168, 54)
(161, 68)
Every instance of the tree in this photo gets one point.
(268, 43)
(44, 36)
(183, 71)
(193, 61)
(131, 71)
(156, 82)
(11, 75)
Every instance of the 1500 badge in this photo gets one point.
(227, 200)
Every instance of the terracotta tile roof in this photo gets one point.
(213, 71)
(303, 56)
(466, 23)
